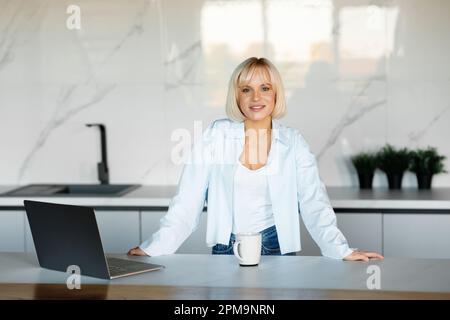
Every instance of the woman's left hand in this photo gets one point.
(363, 255)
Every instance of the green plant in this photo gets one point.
(365, 162)
(392, 160)
(426, 161)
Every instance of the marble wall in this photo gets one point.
(358, 74)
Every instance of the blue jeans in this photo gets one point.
(269, 245)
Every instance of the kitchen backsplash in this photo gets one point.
(358, 74)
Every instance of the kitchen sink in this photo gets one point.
(71, 190)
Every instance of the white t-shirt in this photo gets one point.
(252, 206)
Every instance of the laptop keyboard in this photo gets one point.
(119, 267)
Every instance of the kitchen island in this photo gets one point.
(193, 276)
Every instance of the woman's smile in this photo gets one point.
(257, 108)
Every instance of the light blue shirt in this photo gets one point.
(294, 186)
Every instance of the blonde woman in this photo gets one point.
(256, 176)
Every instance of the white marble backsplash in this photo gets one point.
(358, 74)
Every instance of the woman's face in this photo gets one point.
(256, 98)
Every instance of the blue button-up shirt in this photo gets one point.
(294, 186)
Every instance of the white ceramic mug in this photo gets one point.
(247, 248)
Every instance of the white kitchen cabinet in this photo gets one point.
(362, 231)
(119, 230)
(422, 235)
(196, 243)
(29, 244)
(309, 246)
(12, 229)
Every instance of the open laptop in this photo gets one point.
(66, 235)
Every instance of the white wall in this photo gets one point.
(358, 74)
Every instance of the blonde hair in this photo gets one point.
(243, 73)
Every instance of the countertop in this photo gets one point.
(193, 276)
(342, 198)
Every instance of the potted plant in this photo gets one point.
(394, 162)
(425, 163)
(365, 164)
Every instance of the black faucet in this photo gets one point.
(102, 167)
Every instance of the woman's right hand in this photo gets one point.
(136, 251)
